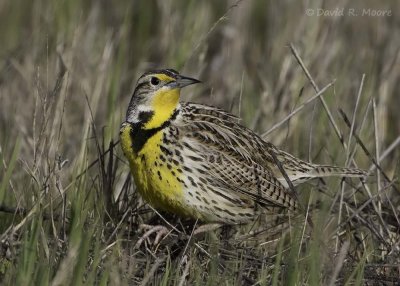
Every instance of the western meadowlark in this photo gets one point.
(197, 161)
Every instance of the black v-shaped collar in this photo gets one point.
(140, 136)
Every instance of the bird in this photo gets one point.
(197, 161)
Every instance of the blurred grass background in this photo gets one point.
(67, 71)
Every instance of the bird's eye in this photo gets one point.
(154, 81)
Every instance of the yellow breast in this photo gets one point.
(156, 179)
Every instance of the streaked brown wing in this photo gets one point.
(232, 154)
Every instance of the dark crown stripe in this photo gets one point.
(169, 72)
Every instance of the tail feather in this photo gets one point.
(326, 171)
(300, 171)
(317, 171)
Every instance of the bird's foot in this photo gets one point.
(161, 233)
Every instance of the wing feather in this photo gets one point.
(233, 156)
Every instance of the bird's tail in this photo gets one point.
(318, 171)
(327, 171)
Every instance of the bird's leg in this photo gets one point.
(207, 227)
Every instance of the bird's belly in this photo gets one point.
(156, 179)
(157, 185)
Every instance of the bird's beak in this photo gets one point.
(183, 81)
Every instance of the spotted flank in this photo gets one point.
(197, 161)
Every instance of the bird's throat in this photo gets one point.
(164, 105)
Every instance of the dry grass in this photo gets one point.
(69, 212)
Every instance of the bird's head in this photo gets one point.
(156, 97)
